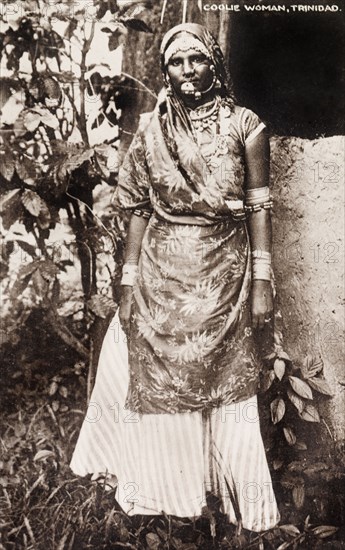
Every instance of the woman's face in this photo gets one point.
(189, 66)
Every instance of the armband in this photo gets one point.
(129, 274)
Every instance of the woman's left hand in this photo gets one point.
(262, 303)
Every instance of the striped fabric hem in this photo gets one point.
(168, 463)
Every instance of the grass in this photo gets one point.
(44, 506)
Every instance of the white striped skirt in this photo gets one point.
(168, 463)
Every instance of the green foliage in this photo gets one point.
(58, 142)
(306, 462)
(43, 505)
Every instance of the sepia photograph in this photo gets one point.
(172, 344)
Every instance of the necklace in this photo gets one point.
(206, 115)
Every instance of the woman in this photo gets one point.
(178, 419)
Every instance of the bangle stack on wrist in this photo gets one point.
(257, 199)
(261, 265)
(129, 274)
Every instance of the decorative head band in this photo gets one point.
(183, 43)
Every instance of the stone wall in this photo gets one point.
(307, 179)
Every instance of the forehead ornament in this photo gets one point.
(184, 43)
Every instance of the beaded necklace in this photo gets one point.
(205, 116)
(205, 124)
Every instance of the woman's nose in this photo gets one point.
(187, 68)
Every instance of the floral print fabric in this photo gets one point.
(190, 345)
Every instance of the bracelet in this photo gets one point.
(257, 195)
(257, 199)
(262, 272)
(129, 274)
(261, 262)
(142, 213)
(262, 255)
(256, 207)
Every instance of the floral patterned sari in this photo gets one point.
(191, 345)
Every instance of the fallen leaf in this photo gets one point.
(43, 455)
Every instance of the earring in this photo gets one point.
(218, 84)
(213, 68)
(168, 87)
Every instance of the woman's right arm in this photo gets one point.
(136, 230)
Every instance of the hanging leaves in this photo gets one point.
(66, 158)
(10, 208)
(40, 285)
(289, 435)
(35, 204)
(267, 380)
(300, 446)
(320, 385)
(298, 495)
(324, 531)
(310, 413)
(279, 368)
(137, 25)
(290, 530)
(102, 306)
(312, 366)
(48, 270)
(277, 464)
(39, 115)
(134, 8)
(26, 170)
(296, 400)
(23, 278)
(301, 387)
(283, 355)
(116, 37)
(277, 410)
(44, 217)
(7, 165)
(28, 248)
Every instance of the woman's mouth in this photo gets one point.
(188, 87)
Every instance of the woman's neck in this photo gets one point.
(193, 103)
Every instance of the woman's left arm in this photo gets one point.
(257, 154)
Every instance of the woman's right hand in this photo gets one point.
(125, 307)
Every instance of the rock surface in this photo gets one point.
(307, 179)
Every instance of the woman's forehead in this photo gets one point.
(187, 53)
(184, 42)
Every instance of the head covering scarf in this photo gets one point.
(174, 105)
(175, 163)
(207, 40)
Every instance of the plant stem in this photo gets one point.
(141, 84)
(82, 84)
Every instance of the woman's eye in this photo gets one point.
(199, 59)
(175, 62)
